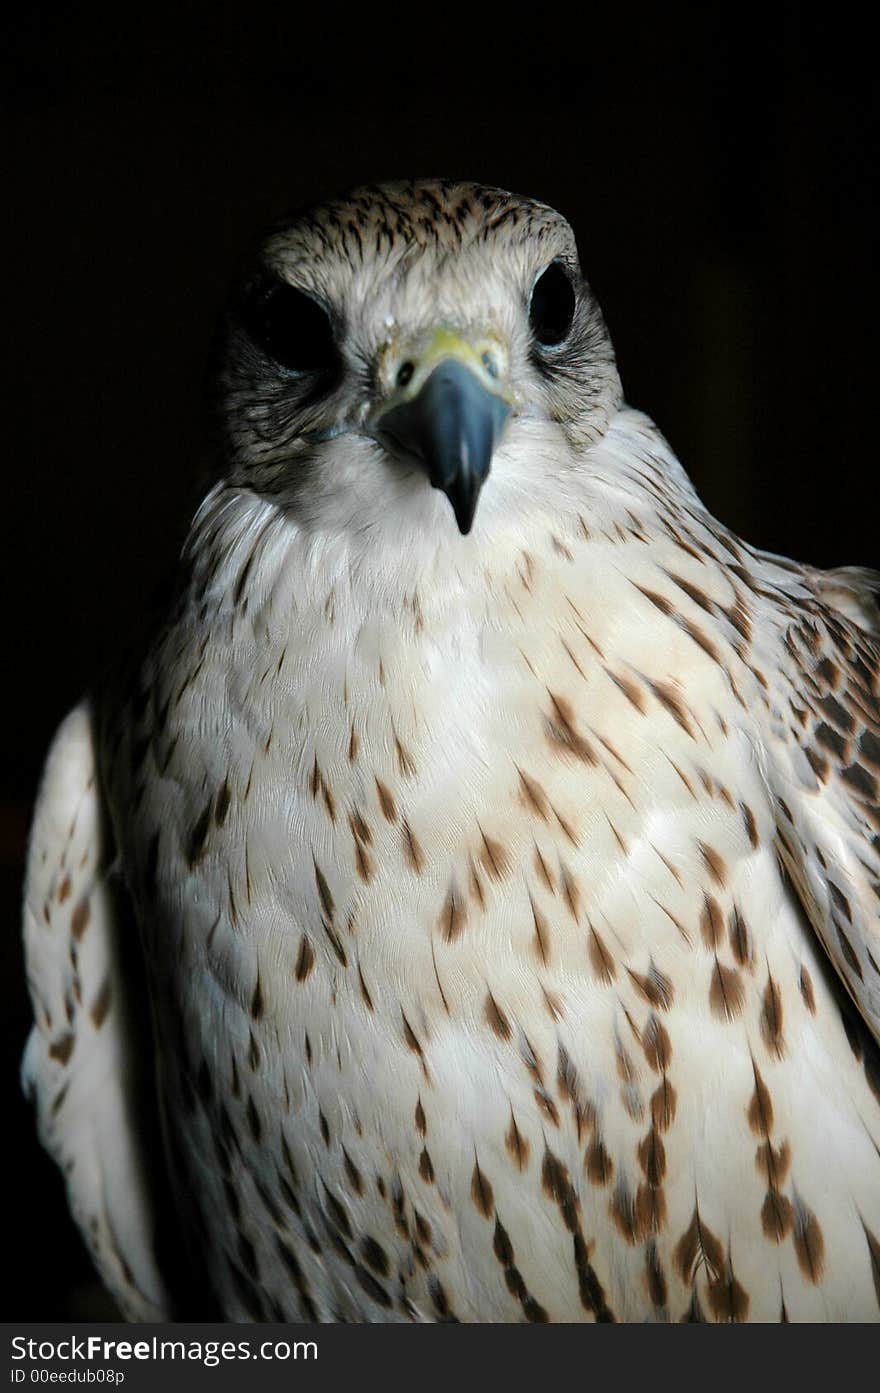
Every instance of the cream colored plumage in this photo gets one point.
(508, 900)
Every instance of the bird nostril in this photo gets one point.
(404, 373)
(489, 364)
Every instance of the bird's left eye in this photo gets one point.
(552, 306)
(292, 328)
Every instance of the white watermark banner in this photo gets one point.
(292, 1357)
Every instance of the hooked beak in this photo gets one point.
(450, 421)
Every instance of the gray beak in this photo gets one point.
(451, 427)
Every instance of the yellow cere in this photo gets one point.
(485, 356)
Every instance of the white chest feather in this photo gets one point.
(480, 949)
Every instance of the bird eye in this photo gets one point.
(292, 328)
(552, 306)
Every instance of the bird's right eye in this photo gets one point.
(291, 328)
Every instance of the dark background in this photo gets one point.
(720, 172)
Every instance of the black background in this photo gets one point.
(719, 169)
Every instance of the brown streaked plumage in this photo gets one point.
(503, 837)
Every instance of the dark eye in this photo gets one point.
(291, 327)
(552, 306)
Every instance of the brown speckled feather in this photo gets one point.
(828, 785)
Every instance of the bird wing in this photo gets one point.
(827, 782)
(854, 591)
(84, 1063)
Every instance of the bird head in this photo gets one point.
(411, 344)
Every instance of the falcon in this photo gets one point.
(465, 907)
